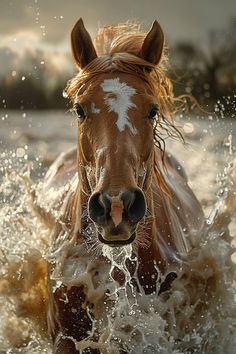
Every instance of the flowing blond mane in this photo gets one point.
(123, 38)
(118, 47)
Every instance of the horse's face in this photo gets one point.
(115, 135)
(115, 150)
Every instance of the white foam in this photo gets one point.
(197, 313)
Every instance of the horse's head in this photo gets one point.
(117, 106)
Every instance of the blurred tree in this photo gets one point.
(22, 94)
(208, 73)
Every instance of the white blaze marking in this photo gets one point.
(94, 109)
(121, 103)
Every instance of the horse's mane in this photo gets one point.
(117, 47)
(123, 38)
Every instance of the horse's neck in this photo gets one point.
(177, 214)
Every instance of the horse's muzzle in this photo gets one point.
(117, 217)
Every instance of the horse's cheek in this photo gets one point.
(85, 149)
(147, 148)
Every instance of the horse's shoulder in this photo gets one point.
(176, 165)
(62, 169)
(179, 207)
(171, 164)
(58, 185)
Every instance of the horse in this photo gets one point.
(119, 187)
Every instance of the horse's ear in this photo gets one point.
(82, 46)
(153, 43)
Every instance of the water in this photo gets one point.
(197, 315)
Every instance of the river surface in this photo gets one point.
(29, 143)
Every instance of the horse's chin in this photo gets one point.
(117, 242)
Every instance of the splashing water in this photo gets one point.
(197, 315)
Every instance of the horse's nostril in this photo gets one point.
(135, 204)
(98, 207)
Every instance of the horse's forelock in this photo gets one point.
(111, 39)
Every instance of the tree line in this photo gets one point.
(206, 73)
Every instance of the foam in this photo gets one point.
(197, 315)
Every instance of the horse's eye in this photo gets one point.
(153, 112)
(80, 112)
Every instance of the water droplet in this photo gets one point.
(20, 152)
(13, 73)
(64, 94)
(188, 128)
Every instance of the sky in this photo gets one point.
(43, 26)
